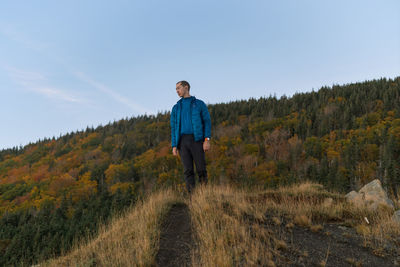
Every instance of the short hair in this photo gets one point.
(184, 83)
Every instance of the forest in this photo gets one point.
(57, 190)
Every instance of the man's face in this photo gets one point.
(181, 90)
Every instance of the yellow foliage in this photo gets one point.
(331, 154)
(251, 148)
(70, 212)
(265, 171)
(145, 159)
(85, 187)
(124, 187)
(163, 177)
(90, 137)
(34, 192)
(391, 113)
(116, 173)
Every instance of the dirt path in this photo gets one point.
(335, 245)
(176, 239)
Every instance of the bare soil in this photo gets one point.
(332, 245)
(176, 240)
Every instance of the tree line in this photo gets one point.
(341, 136)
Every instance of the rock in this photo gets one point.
(396, 216)
(355, 198)
(353, 195)
(372, 195)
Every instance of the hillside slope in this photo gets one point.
(129, 239)
(289, 226)
(58, 189)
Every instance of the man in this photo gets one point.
(190, 134)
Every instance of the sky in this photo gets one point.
(66, 65)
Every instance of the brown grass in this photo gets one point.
(226, 230)
(228, 225)
(129, 240)
(306, 203)
(354, 262)
(302, 220)
(316, 228)
(228, 221)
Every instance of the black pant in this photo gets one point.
(190, 150)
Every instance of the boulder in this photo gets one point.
(372, 195)
(355, 198)
(396, 216)
(353, 195)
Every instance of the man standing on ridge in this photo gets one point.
(190, 134)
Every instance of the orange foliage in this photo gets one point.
(164, 149)
(20, 199)
(40, 173)
(16, 174)
(60, 184)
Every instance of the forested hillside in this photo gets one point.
(57, 189)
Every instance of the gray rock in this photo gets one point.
(372, 195)
(396, 216)
(355, 198)
(352, 195)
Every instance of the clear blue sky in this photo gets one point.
(65, 65)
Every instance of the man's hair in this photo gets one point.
(184, 83)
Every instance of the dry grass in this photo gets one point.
(381, 229)
(228, 221)
(227, 232)
(303, 203)
(354, 262)
(309, 203)
(316, 228)
(130, 240)
(228, 226)
(302, 220)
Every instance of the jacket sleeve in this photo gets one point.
(173, 123)
(205, 115)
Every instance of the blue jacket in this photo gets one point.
(201, 121)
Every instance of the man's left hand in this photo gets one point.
(206, 145)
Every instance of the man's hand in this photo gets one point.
(206, 145)
(174, 151)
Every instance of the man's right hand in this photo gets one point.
(174, 151)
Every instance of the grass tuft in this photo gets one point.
(130, 239)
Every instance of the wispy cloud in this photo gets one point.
(116, 96)
(37, 82)
(20, 38)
